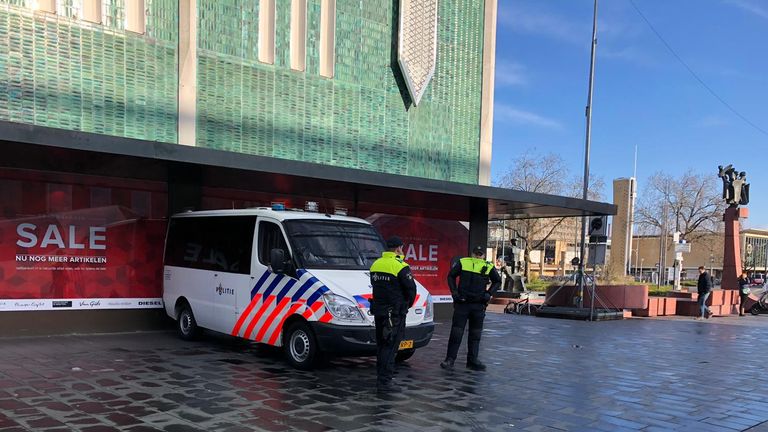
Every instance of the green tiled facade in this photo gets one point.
(358, 119)
(58, 71)
(65, 73)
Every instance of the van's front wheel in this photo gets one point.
(187, 326)
(300, 345)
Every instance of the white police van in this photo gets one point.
(291, 279)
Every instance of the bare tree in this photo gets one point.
(690, 204)
(547, 174)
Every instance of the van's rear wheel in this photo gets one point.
(186, 324)
(404, 355)
(300, 345)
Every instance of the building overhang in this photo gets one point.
(43, 148)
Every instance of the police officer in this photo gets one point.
(393, 294)
(469, 301)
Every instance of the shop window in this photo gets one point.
(141, 203)
(59, 197)
(101, 197)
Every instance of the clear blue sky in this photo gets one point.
(643, 95)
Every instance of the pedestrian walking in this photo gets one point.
(394, 291)
(704, 287)
(744, 291)
(470, 297)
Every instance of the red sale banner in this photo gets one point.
(93, 257)
(431, 246)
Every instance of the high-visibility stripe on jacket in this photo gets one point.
(474, 275)
(393, 285)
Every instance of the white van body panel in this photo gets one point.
(356, 285)
(255, 304)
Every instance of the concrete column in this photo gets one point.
(267, 31)
(478, 223)
(92, 11)
(621, 229)
(45, 6)
(327, 37)
(486, 110)
(135, 16)
(298, 34)
(184, 187)
(732, 248)
(187, 115)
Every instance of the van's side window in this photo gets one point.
(211, 243)
(270, 237)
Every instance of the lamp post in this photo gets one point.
(587, 145)
(641, 269)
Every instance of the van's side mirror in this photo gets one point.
(277, 261)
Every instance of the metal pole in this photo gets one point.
(587, 145)
(503, 239)
(662, 240)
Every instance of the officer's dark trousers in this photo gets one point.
(475, 313)
(387, 342)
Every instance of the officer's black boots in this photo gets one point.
(447, 364)
(475, 365)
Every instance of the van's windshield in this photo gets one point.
(330, 244)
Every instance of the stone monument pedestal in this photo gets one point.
(731, 246)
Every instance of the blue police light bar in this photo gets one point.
(278, 206)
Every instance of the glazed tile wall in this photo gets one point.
(58, 71)
(359, 118)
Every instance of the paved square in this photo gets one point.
(544, 375)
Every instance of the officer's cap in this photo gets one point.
(394, 242)
(478, 250)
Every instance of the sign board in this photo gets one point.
(431, 247)
(78, 242)
(683, 247)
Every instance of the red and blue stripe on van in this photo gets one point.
(274, 298)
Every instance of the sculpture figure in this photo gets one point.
(735, 186)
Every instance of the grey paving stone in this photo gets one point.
(544, 375)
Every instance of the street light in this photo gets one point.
(641, 268)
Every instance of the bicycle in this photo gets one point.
(521, 307)
(762, 302)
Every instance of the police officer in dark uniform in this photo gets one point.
(470, 298)
(394, 291)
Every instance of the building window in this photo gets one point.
(549, 252)
(327, 37)
(267, 31)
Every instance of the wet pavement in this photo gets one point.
(543, 375)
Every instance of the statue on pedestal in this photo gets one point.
(735, 186)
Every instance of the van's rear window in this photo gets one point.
(329, 244)
(221, 243)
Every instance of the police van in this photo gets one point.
(291, 279)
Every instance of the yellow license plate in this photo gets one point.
(406, 344)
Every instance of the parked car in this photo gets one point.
(758, 279)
